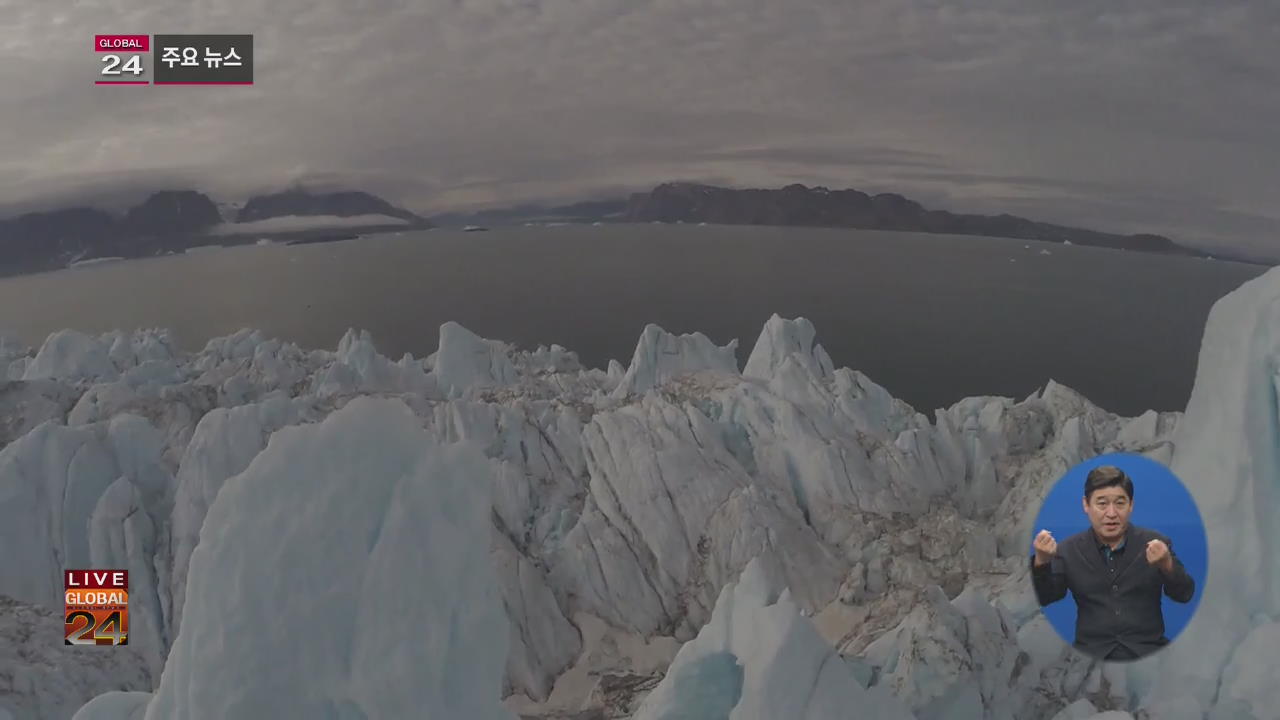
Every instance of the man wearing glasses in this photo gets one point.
(1116, 573)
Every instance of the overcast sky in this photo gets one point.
(1145, 115)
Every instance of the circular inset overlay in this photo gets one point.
(1160, 503)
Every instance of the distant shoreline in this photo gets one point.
(936, 317)
(328, 235)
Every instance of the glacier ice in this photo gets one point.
(575, 534)
(781, 340)
(50, 481)
(1249, 678)
(15, 356)
(349, 562)
(955, 659)
(90, 497)
(72, 355)
(543, 641)
(122, 534)
(757, 658)
(116, 705)
(28, 404)
(222, 446)
(661, 356)
(661, 485)
(11, 347)
(465, 362)
(140, 347)
(623, 503)
(357, 367)
(1228, 453)
(1081, 709)
(42, 678)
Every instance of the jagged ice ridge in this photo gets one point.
(672, 536)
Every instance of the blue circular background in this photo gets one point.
(1160, 502)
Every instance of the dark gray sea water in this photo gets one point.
(934, 318)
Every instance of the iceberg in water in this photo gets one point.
(343, 574)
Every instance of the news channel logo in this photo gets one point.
(174, 59)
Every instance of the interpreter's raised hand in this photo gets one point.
(1046, 547)
(1158, 554)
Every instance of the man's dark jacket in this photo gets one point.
(1116, 607)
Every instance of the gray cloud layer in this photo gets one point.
(1151, 115)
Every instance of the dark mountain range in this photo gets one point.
(579, 212)
(176, 220)
(801, 206)
(341, 204)
(42, 240)
(171, 221)
(172, 212)
(819, 207)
